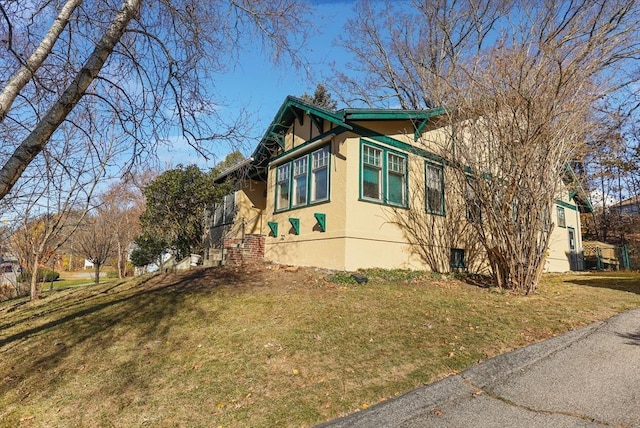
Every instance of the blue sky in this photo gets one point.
(260, 87)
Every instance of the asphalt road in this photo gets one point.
(585, 378)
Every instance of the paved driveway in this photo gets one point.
(586, 378)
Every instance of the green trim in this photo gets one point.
(385, 175)
(390, 114)
(309, 175)
(579, 195)
(566, 205)
(298, 115)
(418, 132)
(443, 211)
(318, 122)
(302, 147)
(321, 218)
(273, 226)
(295, 224)
(384, 139)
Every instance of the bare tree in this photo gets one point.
(143, 70)
(123, 203)
(519, 81)
(54, 198)
(95, 241)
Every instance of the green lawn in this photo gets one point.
(259, 347)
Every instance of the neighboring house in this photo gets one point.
(630, 206)
(331, 189)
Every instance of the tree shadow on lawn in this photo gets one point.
(99, 320)
(628, 283)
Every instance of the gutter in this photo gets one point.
(234, 168)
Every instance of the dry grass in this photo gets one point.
(258, 347)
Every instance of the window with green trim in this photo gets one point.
(300, 180)
(434, 192)
(396, 186)
(303, 180)
(383, 175)
(371, 173)
(282, 186)
(320, 175)
(562, 222)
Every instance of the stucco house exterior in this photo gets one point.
(338, 189)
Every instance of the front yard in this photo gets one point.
(266, 346)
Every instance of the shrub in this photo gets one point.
(44, 275)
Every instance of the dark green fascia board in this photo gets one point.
(288, 111)
(566, 205)
(390, 114)
(579, 195)
(384, 139)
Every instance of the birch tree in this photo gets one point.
(144, 69)
(519, 81)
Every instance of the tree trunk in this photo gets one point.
(96, 270)
(37, 58)
(33, 291)
(35, 142)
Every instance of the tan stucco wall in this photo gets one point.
(311, 247)
(362, 234)
(250, 209)
(558, 259)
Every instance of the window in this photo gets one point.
(456, 260)
(300, 182)
(396, 186)
(371, 173)
(320, 175)
(224, 211)
(383, 175)
(303, 180)
(562, 222)
(434, 193)
(282, 187)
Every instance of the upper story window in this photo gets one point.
(303, 180)
(383, 175)
(434, 188)
(562, 222)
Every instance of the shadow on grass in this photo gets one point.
(629, 282)
(196, 281)
(98, 318)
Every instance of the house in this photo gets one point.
(629, 206)
(351, 189)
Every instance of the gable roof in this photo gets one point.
(293, 108)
